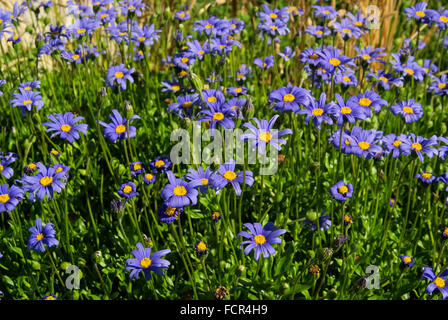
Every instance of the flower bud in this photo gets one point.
(327, 253)
(241, 269)
(97, 256)
(312, 215)
(129, 109)
(103, 92)
(340, 240)
(197, 82)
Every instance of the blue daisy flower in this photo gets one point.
(65, 126)
(145, 261)
(261, 239)
(41, 236)
(119, 128)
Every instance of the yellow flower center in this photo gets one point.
(104, 15)
(201, 246)
(366, 57)
(408, 110)
(420, 14)
(239, 75)
(180, 191)
(319, 32)
(31, 166)
(122, 33)
(335, 62)
(230, 175)
(66, 128)
(358, 23)
(137, 166)
(204, 182)
(384, 79)
(120, 129)
(444, 19)
(288, 97)
(314, 56)
(346, 79)
(441, 85)
(260, 239)
(58, 169)
(39, 237)
(159, 163)
(410, 71)
(50, 298)
(27, 88)
(4, 198)
(274, 27)
(75, 56)
(417, 146)
(170, 211)
(265, 136)
(148, 176)
(119, 75)
(187, 104)
(131, 8)
(347, 142)
(211, 99)
(343, 189)
(365, 102)
(238, 90)
(346, 110)
(56, 153)
(364, 145)
(326, 12)
(397, 143)
(218, 116)
(182, 74)
(184, 60)
(1, 167)
(346, 30)
(273, 16)
(407, 259)
(182, 15)
(201, 52)
(208, 26)
(175, 88)
(46, 181)
(317, 112)
(127, 189)
(426, 175)
(141, 39)
(145, 262)
(15, 37)
(27, 102)
(439, 282)
(79, 31)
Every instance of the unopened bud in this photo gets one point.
(129, 109)
(103, 92)
(340, 240)
(327, 253)
(97, 256)
(312, 215)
